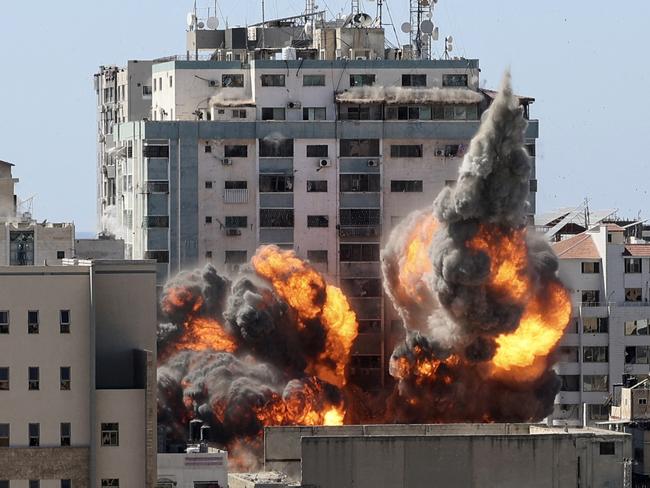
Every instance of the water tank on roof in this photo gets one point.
(288, 53)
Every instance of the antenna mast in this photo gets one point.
(355, 6)
(422, 29)
(263, 24)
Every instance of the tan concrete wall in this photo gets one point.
(54, 463)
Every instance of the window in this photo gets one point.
(60, 254)
(317, 151)
(532, 185)
(4, 483)
(633, 265)
(4, 378)
(236, 257)
(235, 184)
(208, 254)
(110, 483)
(207, 148)
(153, 221)
(160, 256)
(110, 434)
(155, 151)
(236, 222)
(34, 435)
(32, 322)
(570, 382)
(316, 186)
(595, 354)
(406, 186)
(313, 113)
(643, 401)
(64, 375)
(157, 187)
(21, 248)
(359, 182)
(607, 448)
(636, 327)
(272, 80)
(598, 412)
(637, 355)
(146, 90)
(235, 151)
(452, 150)
(65, 433)
(33, 375)
(360, 216)
(365, 361)
(273, 113)
(276, 148)
(590, 297)
(609, 237)
(359, 252)
(208, 219)
(313, 80)
(589, 267)
(362, 80)
(239, 114)
(4, 435)
(406, 151)
(359, 147)
(454, 80)
(633, 294)
(318, 221)
(595, 382)
(34, 484)
(317, 256)
(568, 354)
(232, 81)
(360, 112)
(530, 148)
(370, 326)
(414, 80)
(208, 185)
(276, 183)
(276, 217)
(67, 483)
(595, 325)
(362, 287)
(4, 321)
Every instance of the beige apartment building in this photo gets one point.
(77, 375)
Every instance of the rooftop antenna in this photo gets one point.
(354, 4)
(422, 29)
(263, 24)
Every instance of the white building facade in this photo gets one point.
(608, 341)
(77, 403)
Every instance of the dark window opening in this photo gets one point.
(317, 151)
(409, 186)
(235, 151)
(276, 217)
(315, 186)
(276, 183)
(318, 221)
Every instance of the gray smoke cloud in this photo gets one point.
(397, 94)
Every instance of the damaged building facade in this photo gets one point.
(320, 141)
(79, 399)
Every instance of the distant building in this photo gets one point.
(103, 247)
(451, 455)
(607, 272)
(78, 375)
(309, 135)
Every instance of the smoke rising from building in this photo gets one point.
(478, 295)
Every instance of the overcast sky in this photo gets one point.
(587, 69)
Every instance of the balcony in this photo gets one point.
(235, 196)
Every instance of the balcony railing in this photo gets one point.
(360, 231)
(235, 196)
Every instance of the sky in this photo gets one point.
(587, 68)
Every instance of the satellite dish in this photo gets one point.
(436, 34)
(426, 26)
(362, 20)
(212, 23)
(406, 27)
(190, 19)
(200, 25)
(450, 39)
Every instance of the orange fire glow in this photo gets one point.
(305, 290)
(202, 333)
(416, 261)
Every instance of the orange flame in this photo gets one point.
(305, 290)
(416, 261)
(202, 333)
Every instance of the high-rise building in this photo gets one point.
(607, 271)
(309, 136)
(78, 375)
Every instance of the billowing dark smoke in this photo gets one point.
(467, 359)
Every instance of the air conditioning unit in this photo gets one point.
(324, 163)
(440, 153)
(213, 83)
(226, 162)
(294, 105)
(233, 232)
(373, 163)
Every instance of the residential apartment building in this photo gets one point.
(78, 375)
(315, 147)
(608, 340)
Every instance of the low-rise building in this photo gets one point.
(78, 375)
(193, 469)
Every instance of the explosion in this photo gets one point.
(477, 292)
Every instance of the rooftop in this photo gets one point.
(581, 246)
